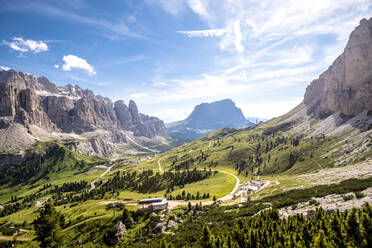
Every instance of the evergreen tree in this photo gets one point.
(320, 240)
(127, 218)
(353, 227)
(207, 237)
(48, 227)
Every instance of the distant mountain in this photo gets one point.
(34, 109)
(208, 117)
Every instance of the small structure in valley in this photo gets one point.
(154, 204)
(252, 186)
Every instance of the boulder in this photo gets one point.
(171, 224)
(120, 230)
(159, 228)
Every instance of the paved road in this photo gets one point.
(227, 197)
(102, 175)
(134, 142)
(231, 194)
(10, 238)
(160, 169)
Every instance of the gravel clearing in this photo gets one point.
(329, 203)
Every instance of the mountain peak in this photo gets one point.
(207, 117)
(346, 86)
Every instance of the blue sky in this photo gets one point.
(170, 55)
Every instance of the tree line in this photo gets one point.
(339, 229)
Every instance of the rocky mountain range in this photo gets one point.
(207, 117)
(34, 109)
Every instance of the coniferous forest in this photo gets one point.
(324, 229)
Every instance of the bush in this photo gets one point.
(348, 197)
(359, 194)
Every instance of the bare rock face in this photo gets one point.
(123, 114)
(28, 101)
(134, 111)
(347, 84)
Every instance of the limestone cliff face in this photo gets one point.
(29, 101)
(347, 84)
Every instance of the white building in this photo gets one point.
(154, 204)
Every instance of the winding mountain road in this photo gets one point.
(231, 194)
(160, 169)
(102, 175)
(224, 198)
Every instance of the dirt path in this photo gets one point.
(102, 175)
(134, 142)
(160, 169)
(10, 238)
(86, 220)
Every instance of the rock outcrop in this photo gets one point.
(39, 108)
(120, 230)
(346, 86)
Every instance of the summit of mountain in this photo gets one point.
(208, 117)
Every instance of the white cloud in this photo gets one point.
(269, 109)
(4, 68)
(21, 45)
(261, 22)
(238, 37)
(56, 66)
(275, 49)
(198, 7)
(72, 61)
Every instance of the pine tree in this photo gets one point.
(207, 237)
(48, 227)
(353, 227)
(127, 218)
(320, 240)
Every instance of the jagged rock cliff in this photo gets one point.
(346, 86)
(35, 109)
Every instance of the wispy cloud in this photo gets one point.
(23, 46)
(262, 22)
(204, 33)
(122, 61)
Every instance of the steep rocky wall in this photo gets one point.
(347, 84)
(27, 100)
